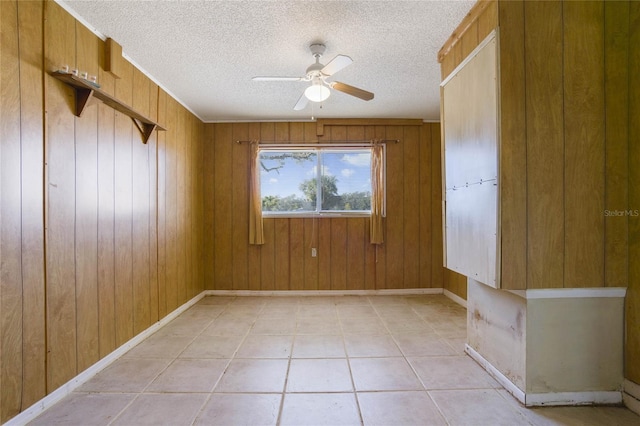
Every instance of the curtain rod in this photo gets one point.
(360, 142)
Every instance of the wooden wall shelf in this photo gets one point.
(85, 90)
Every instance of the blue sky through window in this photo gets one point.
(351, 169)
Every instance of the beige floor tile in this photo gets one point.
(419, 326)
(170, 409)
(398, 408)
(85, 409)
(264, 346)
(318, 346)
(173, 374)
(476, 407)
(371, 346)
(270, 325)
(203, 311)
(189, 375)
(323, 312)
(319, 375)
(380, 374)
(318, 409)
(356, 311)
(422, 344)
(229, 326)
(185, 326)
(318, 325)
(240, 409)
(359, 325)
(160, 346)
(254, 375)
(458, 344)
(449, 330)
(279, 311)
(126, 375)
(216, 300)
(451, 372)
(212, 347)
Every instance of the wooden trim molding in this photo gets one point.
(466, 22)
(365, 122)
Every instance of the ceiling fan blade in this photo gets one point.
(267, 78)
(336, 64)
(351, 90)
(302, 102)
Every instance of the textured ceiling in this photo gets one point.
(205, 52)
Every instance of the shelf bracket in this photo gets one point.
(145, 129)
(83, 96)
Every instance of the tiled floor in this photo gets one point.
(349, 360)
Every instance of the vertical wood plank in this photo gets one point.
(411, 207)
(141, 211)
(183, 277)
(123, 208)
(11, 365)
(222, 211)
(394, 238)
(437, 247)
(513, 146)
(30, 18)
(339, 244)
(153, 207)
(171, 215)
(488, 20)
(61, 192)
(616, 59)
(310, 263)
(426, 206)
(281, 254)
(356, 238)
(86, 211)
(240, 206)
(106, 216)
(469, 39)
(209, 206)
(297, 252)
(162, 206)
(584, 149)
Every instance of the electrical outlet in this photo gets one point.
(314, 252)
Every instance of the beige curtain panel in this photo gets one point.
(377, 193)
(256, 232)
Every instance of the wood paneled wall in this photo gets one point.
(100, 232)
(632, 348)
(564, 138)
(411, 256)
(570, 144)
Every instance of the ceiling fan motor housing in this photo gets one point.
(314, 69)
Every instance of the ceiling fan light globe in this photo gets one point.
(317, 92)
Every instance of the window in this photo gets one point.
(323, 180)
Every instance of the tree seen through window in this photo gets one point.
(289, 180)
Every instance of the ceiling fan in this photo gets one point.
(317, 74)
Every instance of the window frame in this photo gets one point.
(319, 148)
